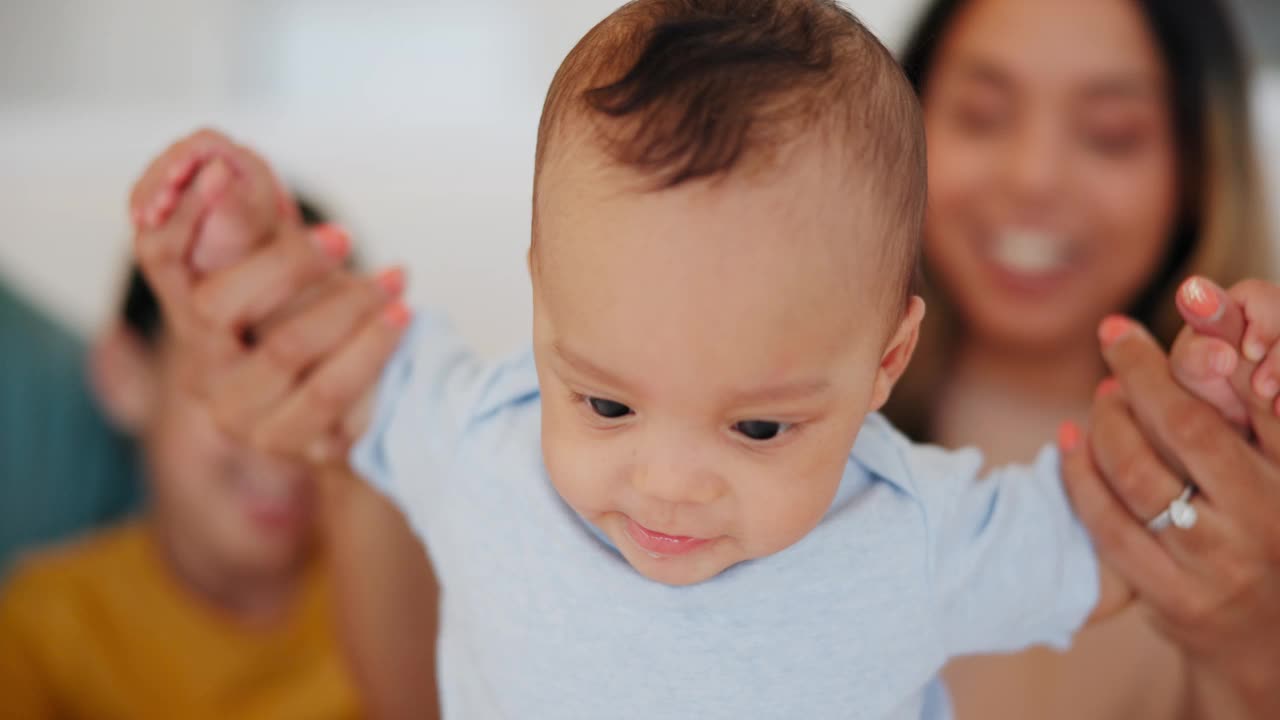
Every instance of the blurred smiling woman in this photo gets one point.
(1084, 157)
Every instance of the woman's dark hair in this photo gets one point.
(1220, 232)
(141, 310)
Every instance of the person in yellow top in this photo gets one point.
(214, 603)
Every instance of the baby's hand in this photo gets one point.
(1223, 326)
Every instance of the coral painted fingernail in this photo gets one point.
(1113, 328)
(1068, 436)
(1106, 387)
(1201, 298)
(391, 281)
(397, 314)
(332, 240)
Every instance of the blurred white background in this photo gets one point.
(413, 123)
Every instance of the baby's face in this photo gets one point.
(706, 356)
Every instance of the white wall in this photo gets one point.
(414, 123)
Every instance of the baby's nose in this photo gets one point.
(678, 485)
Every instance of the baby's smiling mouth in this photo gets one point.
(659, 545)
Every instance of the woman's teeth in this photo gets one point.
(1029, 252)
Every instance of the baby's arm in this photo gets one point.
(316, 351)
(387, 599)
(1012, 567)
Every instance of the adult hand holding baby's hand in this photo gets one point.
(278, 340)
(1212, 580)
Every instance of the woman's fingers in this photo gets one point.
(1120, 540)
(1210, 310)
(247, 293)
(1140, 480)
(1145, 486)
(292, 346)
(335, 388)
(1190, 435)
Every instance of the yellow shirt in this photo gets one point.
(102, 630)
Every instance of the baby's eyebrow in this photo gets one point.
(583, 365)
(795, 390)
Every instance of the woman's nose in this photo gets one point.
(1035, 164)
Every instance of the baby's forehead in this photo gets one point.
(756, 265)
(807, 212)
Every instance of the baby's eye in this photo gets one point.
(761, 429)
(608, 408)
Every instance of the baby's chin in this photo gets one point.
(676, 572)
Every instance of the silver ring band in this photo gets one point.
(1180, 513)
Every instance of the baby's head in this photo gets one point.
(727, 211)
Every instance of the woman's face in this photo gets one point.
(1052, 169)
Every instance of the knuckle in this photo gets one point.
(296, 263)
(1135, 475)
(325, 398)
(1238, 577)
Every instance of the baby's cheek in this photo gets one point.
(783, 509)
(576, 470)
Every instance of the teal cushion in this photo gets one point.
(63, 468)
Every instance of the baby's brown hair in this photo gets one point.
(682, 90)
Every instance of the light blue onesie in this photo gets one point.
(917, 561)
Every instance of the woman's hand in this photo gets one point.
(1213, 587)
(274, 336)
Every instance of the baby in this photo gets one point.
(680, 502)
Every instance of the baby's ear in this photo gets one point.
(898, 352)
